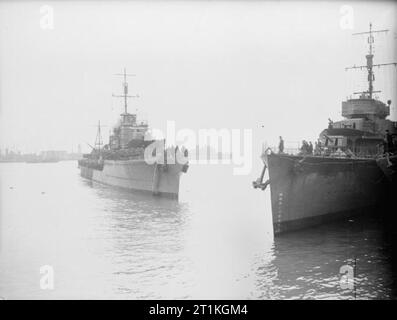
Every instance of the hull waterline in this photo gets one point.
(137, 175)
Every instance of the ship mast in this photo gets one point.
(125, 89)
(370, 65)
(98, 139)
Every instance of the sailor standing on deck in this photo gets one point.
(310, 149)
(389, 142)
(281, 145)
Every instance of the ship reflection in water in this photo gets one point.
(216, 242)
(305, 264)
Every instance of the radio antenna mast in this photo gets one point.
(125, 89)
(98, 139)
(370, 57)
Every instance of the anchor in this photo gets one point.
(258, 183)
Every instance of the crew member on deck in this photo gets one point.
(330, 124)
(310, 148)
(281, 145)
(304, 150)
(389, 142)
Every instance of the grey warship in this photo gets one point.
(123, 163)
(342, 177)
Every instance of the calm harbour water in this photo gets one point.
(216, 242)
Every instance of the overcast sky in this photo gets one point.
(216, 64)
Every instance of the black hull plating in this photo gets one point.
(313, 190)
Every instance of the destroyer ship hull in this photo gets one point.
(137, 175)
(313, 190)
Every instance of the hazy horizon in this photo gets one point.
(274, 67)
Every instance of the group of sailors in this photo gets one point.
(389, 145)
(307, 148)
